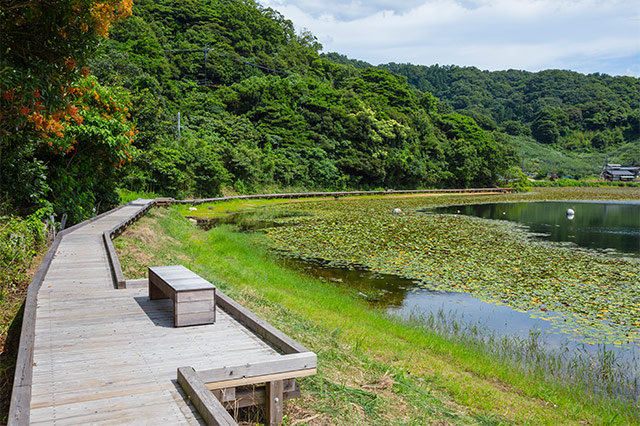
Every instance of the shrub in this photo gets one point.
(19, 242)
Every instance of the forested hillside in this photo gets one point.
(268, 111)
(188, 99)
(580, 113)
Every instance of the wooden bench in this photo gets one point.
(193, 296)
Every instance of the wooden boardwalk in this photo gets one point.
(106, 356)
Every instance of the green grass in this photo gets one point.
(222, 209)
(372, 369)
(551, 159)
(127, 196)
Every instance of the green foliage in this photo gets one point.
(514, 178)
(75, 173)
(127, 196)
(19, 242)
(577, 112)
(60, 133)
(315, 125)
(43, 46)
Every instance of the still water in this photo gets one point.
(611, 227)
(404, 298)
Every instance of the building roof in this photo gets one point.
(620, 172)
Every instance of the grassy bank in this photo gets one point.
(372, 369)
(22, 247)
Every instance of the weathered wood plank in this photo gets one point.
(198, 318)
(259, 326)
(139, 283)
(282, 364)
(207, 405)
(199, 306)
(252, 380)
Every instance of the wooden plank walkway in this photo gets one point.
(104, 356)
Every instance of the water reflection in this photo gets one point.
(403, 297)
(612, 227)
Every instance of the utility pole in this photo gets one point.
(206, 53)
(179, 126)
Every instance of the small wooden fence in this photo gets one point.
(339, 194)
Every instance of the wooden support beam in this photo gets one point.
(273, 403)
(261, 379)
(207, 405)
(255, 395)
(289, 364)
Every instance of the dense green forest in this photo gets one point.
(572, 111)
(561, 119)
(197, 98)
(265, 113)
(292, 119)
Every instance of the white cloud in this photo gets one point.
(585, 35)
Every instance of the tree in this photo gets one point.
(44, 99)
(44, 45)
(545, 131)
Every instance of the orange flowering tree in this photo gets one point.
(83, 160)
(44, 103)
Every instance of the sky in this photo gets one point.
(587, 36)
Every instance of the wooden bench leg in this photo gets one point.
(155, 293)
(274, 402)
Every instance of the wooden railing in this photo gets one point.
(338, 194)
(111, 234)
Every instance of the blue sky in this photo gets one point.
(586, 36)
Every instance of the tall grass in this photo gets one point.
(603, 376)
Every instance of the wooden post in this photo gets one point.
(274, 402)
(207, 405)
(154, 292)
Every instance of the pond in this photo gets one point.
(405, 299)
(611, 227)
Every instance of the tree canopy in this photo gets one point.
(62, 134)
(575, 111)
(267, 111)
(260, 109)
